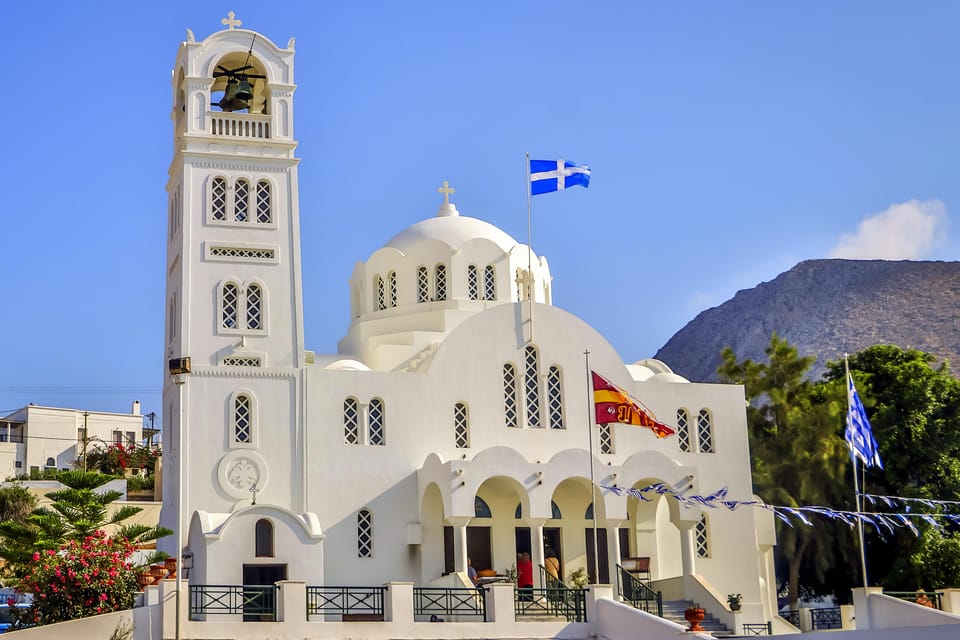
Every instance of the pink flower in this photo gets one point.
(36, 556)
(103, 597)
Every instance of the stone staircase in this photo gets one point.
(673, 611)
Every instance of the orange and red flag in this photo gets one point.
(612, 404)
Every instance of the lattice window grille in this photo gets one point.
(243, 253)
(489, 283)
(683, 430)
(392, 280)
(461, 426)
(705, 431)
(510, 395)
(241, 201)
(364, 534)
(606, 438)
(264, 214)
(519, 282)
(351, 421)
(242, 419)
(254, 307)
(218, 199)
(702, 538)
(473, 285)
(230, 300)
(423, 285)
(441, 284)
(555, 398)
(381, 293)
(531, 385)
(376, 420)
(241, 361)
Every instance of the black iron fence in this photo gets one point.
(438, 603)
(554, 602)
(638, 593)
(352, 603)
(793, 617)
(257, 603)
(757, 628)
(825, 618)
(932, 599)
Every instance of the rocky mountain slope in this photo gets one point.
(827, 308)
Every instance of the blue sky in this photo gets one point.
(728, 141)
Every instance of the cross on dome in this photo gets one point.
(446, 190)
(230, 22)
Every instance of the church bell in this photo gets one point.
(236, 96)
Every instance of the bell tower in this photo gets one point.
(233, 288)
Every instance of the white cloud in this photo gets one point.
(905, 231)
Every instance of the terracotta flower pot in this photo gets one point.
(171, 565)
(145, 580)
(694, 616)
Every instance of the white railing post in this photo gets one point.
(292, 601)
(499, 603)
(398, 602)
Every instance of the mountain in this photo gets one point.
(828, 308)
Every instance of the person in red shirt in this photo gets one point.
(525, 576)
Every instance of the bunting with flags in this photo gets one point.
(613, 404)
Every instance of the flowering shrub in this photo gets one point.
(80, 578)
(117, 458)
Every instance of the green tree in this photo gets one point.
(914, 410)
(16, 503)
(798, 456)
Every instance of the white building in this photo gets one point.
(34, 438)
(452, 422)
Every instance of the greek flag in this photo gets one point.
(858, 434)
(556, 175)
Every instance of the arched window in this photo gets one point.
(473, 284)
(254, 307)
(264, 211)
(705, 431)
(480, 508)
(555, 398)
(376, 422)
(229, 301)
(461, 426)
(441, 284)
(218, 199)
(606, 438)
(588, 514)
(510, 412)
(241, 201)
(531, 384)
(555, 511)
(364, 534)
(489, 283)
(351, 421)
(701, 535)
(51, 463)
(242, 419)
(263, 538)
(683, 430)
(392, 280)
(379, 292)
(423, 285)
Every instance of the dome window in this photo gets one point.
(473, 283)
(441, 283)
(423, 285)
(489, 283)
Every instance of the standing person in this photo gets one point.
(471, 572)
(525, 576)
(551, 563)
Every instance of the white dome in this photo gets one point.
(453, 230)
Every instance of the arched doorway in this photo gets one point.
(652, 532)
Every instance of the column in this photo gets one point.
(613, 550)
(536, 548)
(459, 524)
(687, 547)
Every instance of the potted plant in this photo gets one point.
(734, 600)
(694, 615)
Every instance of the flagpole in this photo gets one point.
(529, 278)
(593, 484)
(856, 480)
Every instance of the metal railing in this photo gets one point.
(825, 618)
(638, 593)
(438, 602)
(255, 602)
(556, 602)
(361, 602)
(793, 617)
(757, 628)
(932, 599)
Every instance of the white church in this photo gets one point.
(452, 422)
